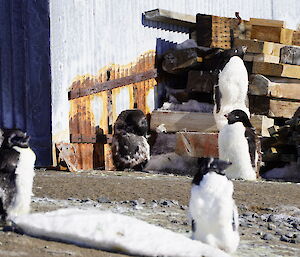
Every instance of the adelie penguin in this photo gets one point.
(212, 210)
(239, 144)
(231, 91)
(16, 174)
(130, 148)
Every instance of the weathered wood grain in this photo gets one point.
(272, 108)
(274, 87)
(276, 69)
(267, 22)
(197, 144)
(290, 55)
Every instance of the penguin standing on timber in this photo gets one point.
(239, 144)
(231, 90)
(130, 148)
(16, 174)
(212, 209)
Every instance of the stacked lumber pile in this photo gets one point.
(283, 145)
(273, 63)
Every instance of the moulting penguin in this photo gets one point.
(130, 148)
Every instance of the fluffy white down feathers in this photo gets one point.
(24, 180)
(233, 86)
(215, 213)
(233, 146)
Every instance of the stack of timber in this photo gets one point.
(284, 144)
(274, 67)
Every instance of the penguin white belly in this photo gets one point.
(233, 147)
(233, 86)
(24, 181)
(214, 212)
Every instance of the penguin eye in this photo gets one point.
(235, 50)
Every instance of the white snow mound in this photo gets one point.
(113, 232)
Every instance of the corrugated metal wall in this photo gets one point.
(89, 35)
(25, 97)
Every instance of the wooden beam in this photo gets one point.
(274, 87)
(183, 121)
(252, 57)
(276, 69)
(259, 47)
(267, 22)
(290, 55)
(170, 17)
(111, 84)
(201, 81)
(200, 122)
(272, 108)
(272, 34)
(197, 144)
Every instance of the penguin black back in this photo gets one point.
(209, 165)
(131, 121)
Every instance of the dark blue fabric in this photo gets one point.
(25, 79)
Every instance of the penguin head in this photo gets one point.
(207, 165)
(237, 51)
(132, 121)
(238, 116)
(15, 137)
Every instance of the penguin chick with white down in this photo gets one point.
(130, 148)
(232, 88)
(239, 144)
(212, 209)
(16, 174)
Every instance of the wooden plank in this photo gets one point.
(114, 83)
(196, 144)
(256, 46)
(252, 57)
(267, 22)
(274, 87)
(199, 122)
(272, 108)
(276, 69)
(183, 121)
(290, 55)
(261, 124)
(272, 34)
(170, 17)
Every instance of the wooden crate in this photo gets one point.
(216, 31)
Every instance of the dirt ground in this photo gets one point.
(269, 211)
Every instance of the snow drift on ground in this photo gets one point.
(113, 232)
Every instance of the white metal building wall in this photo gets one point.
(86, 35)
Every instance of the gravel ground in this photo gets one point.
(269, 212)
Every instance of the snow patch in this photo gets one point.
(113, 232)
